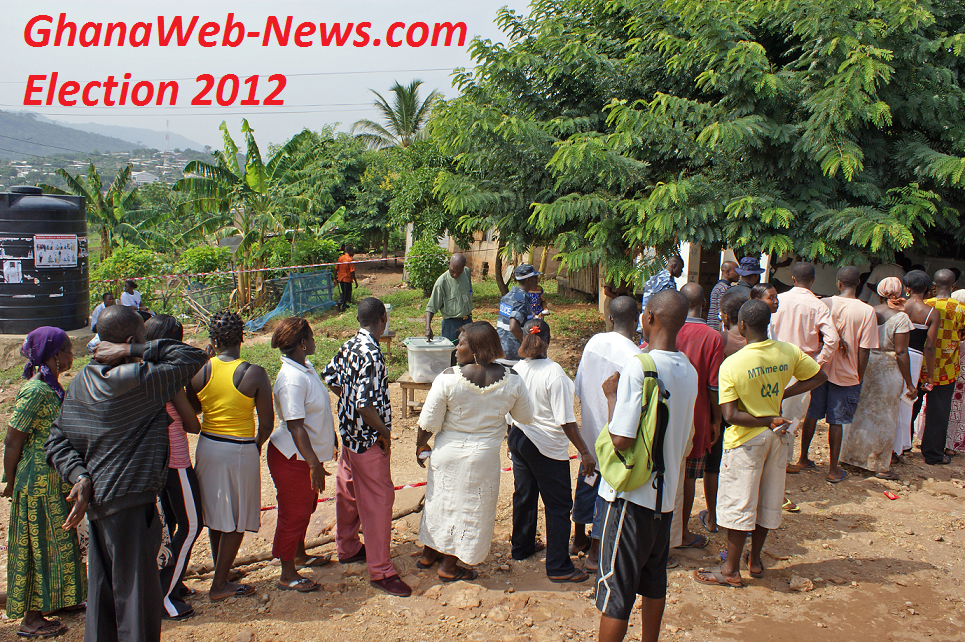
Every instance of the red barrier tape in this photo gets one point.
(415, 485)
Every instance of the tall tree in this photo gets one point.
(115, 214)
(826, 128)
(404, 119)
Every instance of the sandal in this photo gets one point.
(794, 469)
(714, 577)
(790, 506)
(746, 558)
(420, 564)
(844, 475)
(888, 475)
(303, 585)
(462, 575)
(700, 542)
(575, 577)
(314, 561)
(243, 590)
(574, 550)
(49, 629)
(702, 516)
(672, 562)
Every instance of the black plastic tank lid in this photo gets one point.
(26, 189)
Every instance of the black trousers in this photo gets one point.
(346, 297)
(936, 423)
(123, 588)
(536, 475)
(181, 503)
(450, 330)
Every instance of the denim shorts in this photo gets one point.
(836, 404)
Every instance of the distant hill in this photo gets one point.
(22, 135)
(146, 137)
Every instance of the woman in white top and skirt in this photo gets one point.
(466, 413)
(541, 458)
(304, 438)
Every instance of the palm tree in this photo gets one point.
(405, 119)
(109, 212)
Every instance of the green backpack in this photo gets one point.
(644, 461)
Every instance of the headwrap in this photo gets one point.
(893, 290)
(39, 346)
(959, 295)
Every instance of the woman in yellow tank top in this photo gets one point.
(227, 457)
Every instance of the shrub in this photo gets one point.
(206, 258)
(424, 263)
(278, 252)
(127, 262)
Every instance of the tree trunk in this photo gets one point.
(385, 248)
(498, 269)
(542, 259)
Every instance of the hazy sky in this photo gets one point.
(324, 84)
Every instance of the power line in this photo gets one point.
(317, 73)
(30, 142)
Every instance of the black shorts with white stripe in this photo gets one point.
(633, 557)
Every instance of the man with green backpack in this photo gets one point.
(640, 456)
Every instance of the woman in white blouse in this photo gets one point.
(304, 438)
(466, 412)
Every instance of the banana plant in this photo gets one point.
(243, 200)
(113, 213)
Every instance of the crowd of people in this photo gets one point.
(104, 468)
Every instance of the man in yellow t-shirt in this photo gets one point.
(752, 384)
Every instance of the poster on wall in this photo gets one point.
(55, 251)
(12, 272)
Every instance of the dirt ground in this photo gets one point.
(877, 569)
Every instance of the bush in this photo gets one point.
(127, 262)
(278, 252)
(206, 258)
(424, 263)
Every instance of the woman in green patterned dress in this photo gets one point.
(44, 568)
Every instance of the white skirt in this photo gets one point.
(229, 477)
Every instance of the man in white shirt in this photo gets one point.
(869, 294)
(635, 542)
(604, 354)
(132, 299)
(108, 301)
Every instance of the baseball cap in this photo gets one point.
(750, 265)
(525, 271)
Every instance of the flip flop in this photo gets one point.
(180, 617)
(575, 577)
(790, 506)
(746, 558)
(717, 578)
(419, 564)
(672, 562)
(888, 475)
(700, 542)
(49, 629)
(576, 551)
(794, 469)
(702, 516)
(314, 561)
(462, 575)
(844, 475)
(243, 590)
(304, 585)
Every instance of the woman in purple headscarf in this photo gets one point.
(45, 572)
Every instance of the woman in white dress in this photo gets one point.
(465, 411)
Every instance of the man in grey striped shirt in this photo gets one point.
(111, 442)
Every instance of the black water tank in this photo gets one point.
(43, 249)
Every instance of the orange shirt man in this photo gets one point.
(345, 275)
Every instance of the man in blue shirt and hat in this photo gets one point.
(515, 310)
(750, 272)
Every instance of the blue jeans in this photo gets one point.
(587, 505)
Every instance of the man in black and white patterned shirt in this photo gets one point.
(364, 492)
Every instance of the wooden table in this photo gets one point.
(408, 394)
(387, 340)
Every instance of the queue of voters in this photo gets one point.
(725, 385)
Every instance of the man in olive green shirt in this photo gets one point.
(452, 297)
